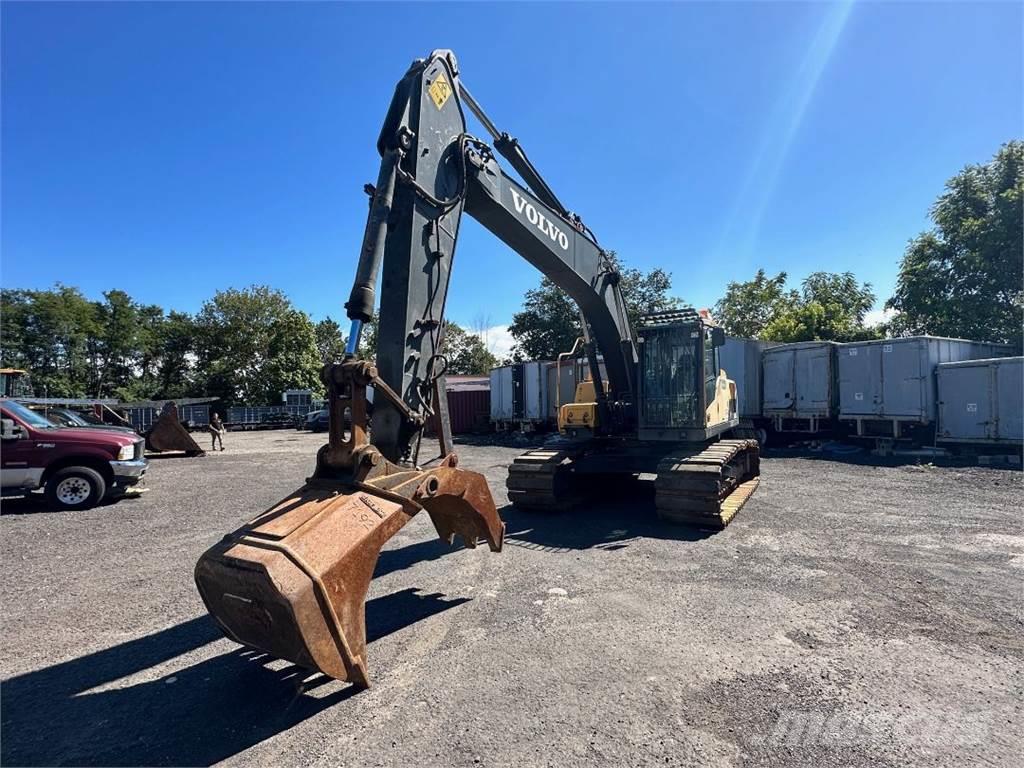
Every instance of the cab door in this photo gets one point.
(21, 460)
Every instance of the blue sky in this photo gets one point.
(174, 149)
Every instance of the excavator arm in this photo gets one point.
(292, 582)
(432, 171)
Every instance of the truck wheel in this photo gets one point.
(75, 488)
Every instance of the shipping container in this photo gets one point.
(561, 386)
(469, 404)
(799, 385)
(501, 395)
(981, 401)
(886, 386)
(519, 395)
(741, 360)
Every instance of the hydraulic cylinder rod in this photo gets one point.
(363, 297)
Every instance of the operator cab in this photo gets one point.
(684, 394)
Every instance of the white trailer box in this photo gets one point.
(799, 385)
(501, 395)
(741, 360)
(888, 384)
(981, 401)
(561, 387)
(519, 395)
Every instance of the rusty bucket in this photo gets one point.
(293, 582)
(167, 434)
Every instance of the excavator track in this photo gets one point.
(539, 480)
(707, 485)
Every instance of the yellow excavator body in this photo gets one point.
(722, 406)
(582, 412)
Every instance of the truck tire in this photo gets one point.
(75, 488)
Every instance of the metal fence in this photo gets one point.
(191, 416)
(236, 417)
(267, 416)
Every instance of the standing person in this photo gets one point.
(217, 431)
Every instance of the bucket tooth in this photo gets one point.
(465, 508)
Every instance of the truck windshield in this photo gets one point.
(33, 419)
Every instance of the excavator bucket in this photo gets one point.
(293, 582)
(167, 434)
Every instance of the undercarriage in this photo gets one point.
(698, 484)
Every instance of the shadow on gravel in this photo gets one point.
(863, 457)
(610, 522)
(196, 716)
(28, 504)
(36, 503)
(391, 560)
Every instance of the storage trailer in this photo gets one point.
(519, 396)
(741, 360)
(561, 387)
(799, 386)
(981, 402)
(887, 387)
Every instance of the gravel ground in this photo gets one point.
(850, 615)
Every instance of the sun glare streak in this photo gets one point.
(742, 228)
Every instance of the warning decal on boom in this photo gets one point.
(439, 91)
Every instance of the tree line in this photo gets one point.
(962, 278)
(243, 345)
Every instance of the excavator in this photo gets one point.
(292, 583)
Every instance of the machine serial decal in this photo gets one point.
(540, 221)
(439, 91)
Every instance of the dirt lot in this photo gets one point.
(851, 615)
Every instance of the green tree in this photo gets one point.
(549, 322)
(293, 361)
(175, 340)
(963, 278)
(330, 341)
(465, 352)
(830, 307)
(14, 312)
(53, 335)
(748, 307)
(115, 347)
(252, 344)
(149, 341)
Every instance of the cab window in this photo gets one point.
(710, 368)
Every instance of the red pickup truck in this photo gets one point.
(77, 467)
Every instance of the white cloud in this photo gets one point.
(876, 316)
(497, 339)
